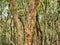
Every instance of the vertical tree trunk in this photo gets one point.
(30, 24)
(17, 22)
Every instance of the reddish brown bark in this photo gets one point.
(17, 22)
(30, 24)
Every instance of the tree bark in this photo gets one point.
(17, 22)
(30, 24)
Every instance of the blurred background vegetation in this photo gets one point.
(48, 17)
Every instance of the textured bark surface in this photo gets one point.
(17, 22)
(30, 24)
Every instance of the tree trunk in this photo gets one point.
(17, 22)
(30, 24)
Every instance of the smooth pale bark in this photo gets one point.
(17, 22)
(30, 24)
